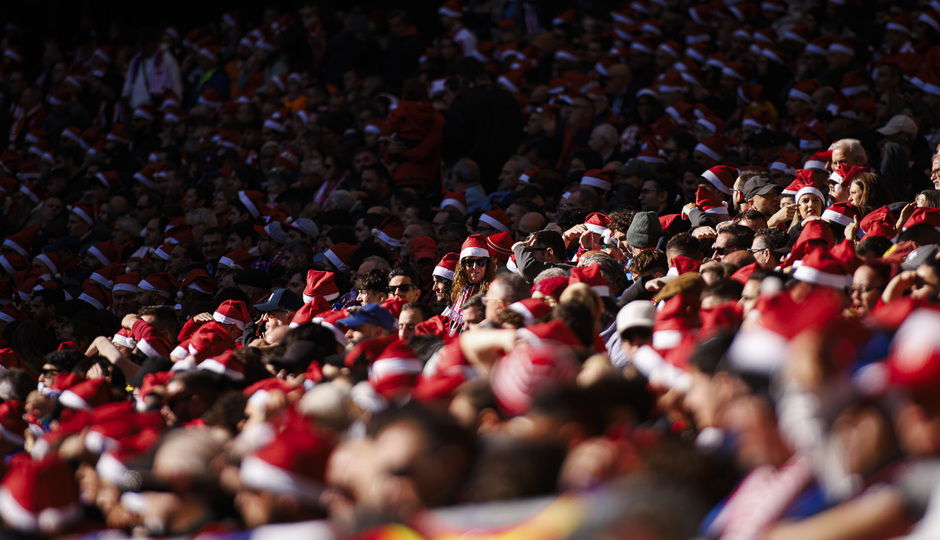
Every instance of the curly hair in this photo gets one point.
(461, 280)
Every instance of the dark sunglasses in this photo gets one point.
(722, 251)
(476, 262)
(402, 288)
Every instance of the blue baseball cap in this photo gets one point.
(370, 314)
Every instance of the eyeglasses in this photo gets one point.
(476, 262)
(756, 250)
(722, 251)
(400, 288)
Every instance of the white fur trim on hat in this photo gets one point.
(48, 521)
(836, 217)
(259, 474)
(495, 223)
(809, 274)
(337, 262)
(385, 367)
(666, 339)
(215, 366)
(715, 181)
(91, 300)
(596, 182)
(815, 164)
(454, 203)
(839, 47)
(445, 273)
(381, 235)
(222, 319)
(474, 252)
(799, 94)
(700, 147)
(809, 189)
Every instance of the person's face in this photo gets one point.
(407, 475)
(440, 219)
(407, 320)
(766, 204)
(508, 177)
(123, 302)
(795, 107)
(935, 173)
(472, 317)
(152, 233)
(52, 208)
(810, 205)
(297, 283)
(362, 231)
(371, 183)
(855, 194)
(355, 334)
(866, 290)
(37, 309)
(926, 284)
(492, 307)
(212, 245)
(402, 287)
(178, 407)
(749, 295)
(649, 197)
(475, 268)
(177, 260)
(440, 287)
(701, 401)
(409, 234)
(364, 159)
(720, 247)
(77, 227)
(371, 297)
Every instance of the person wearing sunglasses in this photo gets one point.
(474, 273)
(402, 282)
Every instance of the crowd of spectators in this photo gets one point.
(577, 269)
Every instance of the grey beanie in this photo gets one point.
(644, 231)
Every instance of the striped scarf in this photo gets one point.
(454, 312)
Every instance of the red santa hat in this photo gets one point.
(531, 309)
(232, 312)
(496, 218)
(22, 241)
(841, 213)
(85, 211)
(253, 201)
(95, 295)
(597, 222)
(914, 361)
(107, 276)
(708, 203)
(310, 310)
(879, 222)
(599, 178)
(500, 246)
(821, 268)
(240, 258)
(474, 246)
(451, 8)
(806, 185)
(29, 504)
(923, 215)
(124, 338)
(844, 173)
(340, 255)
(592, 276)
(293, 463)
(211, 339)
(527, 368)
(162, 283)
(722, 177)
(87, 395)
(224, 364)
(198, 280)
(12, 425)
(819, 161)
(446, 267)
(456, 200)
(320, 283)
(106, 252)
(390, 231)
(395, 369)
(804, 90)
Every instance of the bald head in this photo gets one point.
(530, 223)
(603, 139)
